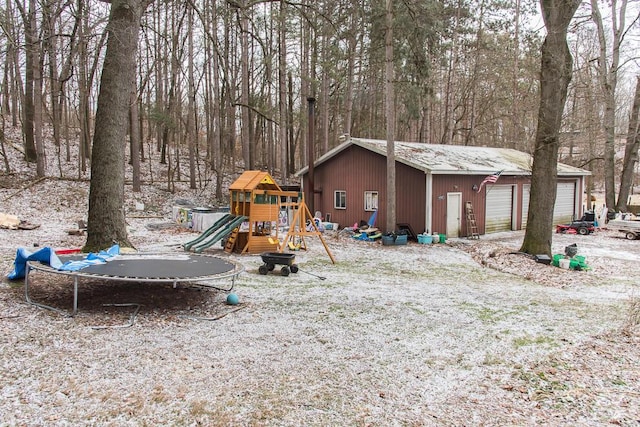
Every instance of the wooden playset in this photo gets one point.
(257, 197)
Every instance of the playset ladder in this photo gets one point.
(472, 226)
(231, 240)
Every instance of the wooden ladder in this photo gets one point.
(472, 226)
(231, 240)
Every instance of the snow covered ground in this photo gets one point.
(462, 333)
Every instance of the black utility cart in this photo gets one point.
(271, 259)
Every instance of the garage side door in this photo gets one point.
(526, 192)
(499, 208)
(565, 202)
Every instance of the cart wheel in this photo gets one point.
(263, 269)
(583, 231)
(285, 271)
(630, 235)
(294, 268)
(270, 267)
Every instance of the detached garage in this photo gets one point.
(435, 186)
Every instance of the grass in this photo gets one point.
(528, 340)
(490, 315)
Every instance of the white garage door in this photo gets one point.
(526, 192)
(565, 203)
(499, 208)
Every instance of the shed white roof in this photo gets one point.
(440, 159)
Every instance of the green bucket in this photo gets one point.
(442, 238)
(578, 263)
(556, 260)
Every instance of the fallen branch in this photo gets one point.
(37, 181)
(220, 316)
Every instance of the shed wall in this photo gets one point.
(443, 184)
(357, 170)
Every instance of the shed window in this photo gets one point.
(370, 200)
(340, 199)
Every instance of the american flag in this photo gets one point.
(491, 179)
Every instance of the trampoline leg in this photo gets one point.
(75, 296)
(48, 307)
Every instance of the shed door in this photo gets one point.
(454, 213)
(565, 202)
(499, 208)
(526, 193)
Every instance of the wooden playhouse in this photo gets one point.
(256, 196)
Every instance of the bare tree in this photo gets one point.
(106, 220)
(390, 113)
(192, 136)
(31, 61)
(555, 75)
(134, 139)
(608, 74)
(630, 152)
(282, 91)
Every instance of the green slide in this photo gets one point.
(220, 228)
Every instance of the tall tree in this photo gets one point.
(555, 75)
(247, 155)
(282, 91)
(106, 222)
(31, 61)
(630, 152)
(608, 74)
(192, 136)
(391, 118)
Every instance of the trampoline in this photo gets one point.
(143, 268)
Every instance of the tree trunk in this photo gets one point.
(37, 112)
(5, 158)
(451, 82)
(134, 138)
(555, 75)
(390, 225)
(630, 152)
(30, 153)
(352, 46)
(324, 94)
(305, 80)
(247, 155)
(291, 140)
(608, 74)
(282, 92)
(106, 220)
(192, 136)
(517, 141)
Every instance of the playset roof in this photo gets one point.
(252, 180)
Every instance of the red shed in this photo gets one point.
(434, 186)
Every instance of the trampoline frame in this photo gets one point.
(77, 275)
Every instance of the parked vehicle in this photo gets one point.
(580, 227)
(630, 228)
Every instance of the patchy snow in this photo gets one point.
(462, 333)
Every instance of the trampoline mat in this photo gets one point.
(167, 267)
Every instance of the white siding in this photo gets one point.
(499, 208)
(564, 208)
(526, 193)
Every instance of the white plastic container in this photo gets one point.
(564, 263)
